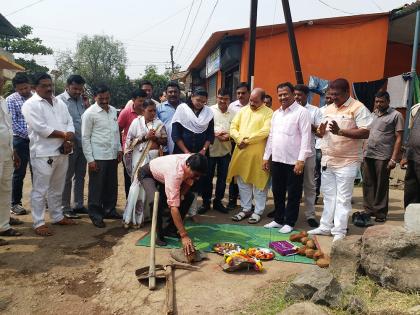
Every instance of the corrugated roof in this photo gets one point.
(6, 28)
(405, 10)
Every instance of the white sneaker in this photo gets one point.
(338, 237)
(273, 225)
(318, 231)
(286, 229)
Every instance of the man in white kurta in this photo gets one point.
(6, 169)
(51, 132)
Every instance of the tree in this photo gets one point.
(159, 81)
(27, 46)
(99, 60)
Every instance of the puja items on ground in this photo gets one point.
(236, 260)
(284, 248)
(310, 249)
(224, 247)
(260, 253)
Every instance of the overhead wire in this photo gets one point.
(336, 9)
(179, 53)
(185, 26)
(203, 32)
(161, 21)
(25, 7)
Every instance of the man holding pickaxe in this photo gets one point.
(174, 175)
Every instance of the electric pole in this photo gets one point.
(292, 41)
(252, 35)
(172, 59)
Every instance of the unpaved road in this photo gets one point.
(85, 270)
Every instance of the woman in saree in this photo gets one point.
(145, 137)
(193, 132)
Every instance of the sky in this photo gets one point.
(147, 29)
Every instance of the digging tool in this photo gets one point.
(169, 300)
(152, 271)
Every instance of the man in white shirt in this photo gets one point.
(51, 133)
(309, 186)
(8, 159)
(288, 146)
(102, 149)
(219, 154)
(243, 92)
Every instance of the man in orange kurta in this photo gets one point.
(250, 129)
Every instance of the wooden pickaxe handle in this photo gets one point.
(152, 271)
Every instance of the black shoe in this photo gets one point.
(218, 206)
(204, 208)
(313, 223)
(113, 214)
(71, 214)
(81, 210)
(361, 219)
(231, 205)
(17, 209)
(271, 214)
(14, 221)
(161, 242)
(172, 234)
(99, 223)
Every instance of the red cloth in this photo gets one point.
(125, 119)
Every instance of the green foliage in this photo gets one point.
(159, 81)
(100, 60)
(27, 46)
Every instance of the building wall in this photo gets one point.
(398, 59)
(353, 51)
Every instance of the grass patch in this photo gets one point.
(380, 300)
(377, 299)
(268, 301)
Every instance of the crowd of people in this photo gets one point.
(177, 148)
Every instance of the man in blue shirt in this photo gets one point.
(15, 101)
(166, 111)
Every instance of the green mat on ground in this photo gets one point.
(205, 235)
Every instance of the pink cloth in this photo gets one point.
(125, 119)
(290, 135)
(170, 171)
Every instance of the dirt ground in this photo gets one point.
(85, 270)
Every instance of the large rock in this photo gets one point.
(412, 218)
(345, 259)
(306, 308)
(317, 285)
(390, 255)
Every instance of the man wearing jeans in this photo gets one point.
(22, 87)
(309, 186)
(348, 123)
(219, 153)
(288, 146)
(76, 172)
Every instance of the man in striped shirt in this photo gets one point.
(14, 102)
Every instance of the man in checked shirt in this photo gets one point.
(22, 88)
